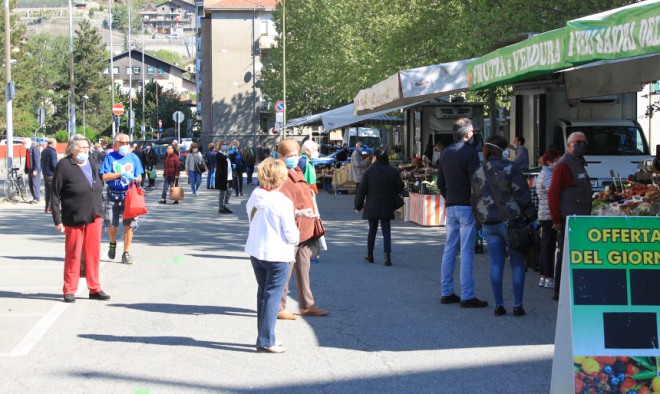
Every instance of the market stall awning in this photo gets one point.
(612, 76)
(343, 116)
(623, 32)
(412, 86)
(541, 54)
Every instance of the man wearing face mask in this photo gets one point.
(120, 168)
(310, 151)
(33, 169)
(522, 155)
(299, 192)
(569, 193)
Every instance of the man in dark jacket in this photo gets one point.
(33, 169)
(458, 163)
(569, 194)
(48, 163)
(151, 159)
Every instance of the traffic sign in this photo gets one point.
(118, 109)
(279, 117)
(178, 116)
(279, 106)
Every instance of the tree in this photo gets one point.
(17, 31)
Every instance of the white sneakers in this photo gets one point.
(548, 283)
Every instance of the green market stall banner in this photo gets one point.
(540, 54)
(614, 287)
(624, 32)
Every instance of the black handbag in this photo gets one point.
(398, 201)
(520, 233)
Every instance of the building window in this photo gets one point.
(128, 70)
(136, 70)
(160, 71)
(150, 70)
(115, 70)
(655, 89)
(170, 86)
(264, 28)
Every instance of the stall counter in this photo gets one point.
(427, 209)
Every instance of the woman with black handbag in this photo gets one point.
(501, 198)
(380, 185)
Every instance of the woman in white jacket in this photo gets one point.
(271, 240)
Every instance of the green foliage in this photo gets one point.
(61, 136)
(336, 48)
(165, 55)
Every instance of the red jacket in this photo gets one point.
(299, 192)
(172, 165)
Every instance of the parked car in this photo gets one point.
(15, 140)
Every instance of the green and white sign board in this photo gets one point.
(609, 311)
(628, 31)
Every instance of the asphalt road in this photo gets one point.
(182, 318)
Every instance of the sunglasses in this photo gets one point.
(579, 142)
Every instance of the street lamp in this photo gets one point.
(85, 98)
(144, 127)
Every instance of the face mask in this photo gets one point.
(195, 150)
(291, 162)
(505, 153)
(148, 147)
(315, 155)
(579, 150)
(224, 147)
(124, 150)
(470, 141)
(82, 157)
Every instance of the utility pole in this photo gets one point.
(130, 74)
(283, 66)
(144, 127)
(8, 97)
(112, 69)
(72, 90)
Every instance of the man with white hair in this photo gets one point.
(33, 169)
(310, 151)
(569, 193)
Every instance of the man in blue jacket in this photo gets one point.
(458, 163)
(33, 169)
(48, 163)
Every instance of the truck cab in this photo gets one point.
(613, 145)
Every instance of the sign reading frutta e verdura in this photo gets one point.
(614, 303)
(628, 31)
(539, 54)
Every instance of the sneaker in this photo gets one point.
(518, 311)
(542, 282)
(100, 295)
(450, 299)
(126, 258)
(69, 298)
(112, 251)
(227, 210)
(222, 211)
(474, 303)
(194, 194)
(499, 310)
(162, 202)
(550, 283)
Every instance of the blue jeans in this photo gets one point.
(497, 238)
(210, 178)
(195, 180)
(271, 278)
(461, 228)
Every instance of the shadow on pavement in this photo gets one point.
(31, 296)
(172, 341)
(189, 309)
(37, 258)
(487, 379)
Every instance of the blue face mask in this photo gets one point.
(291, 162)
(224, 147)
(124, 150)
(505, 153)
(82, 157)
(195, 150)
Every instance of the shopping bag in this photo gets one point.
(134, 204)
(153, 174)
(176, 192)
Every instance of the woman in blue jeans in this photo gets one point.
(499, 194)
(271, 240)
(194, 163)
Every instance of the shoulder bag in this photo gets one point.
(200, 166)
(176, 192)
(520, 233)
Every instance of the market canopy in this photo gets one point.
(541, 54)
(622, 33)
(343, 116)
(413, 86)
